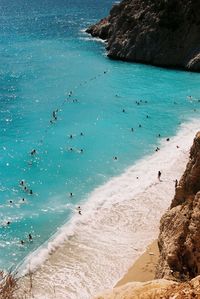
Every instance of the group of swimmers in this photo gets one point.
(25, 188)
(54, 119)
(30, 239)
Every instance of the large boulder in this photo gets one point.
(157, 32)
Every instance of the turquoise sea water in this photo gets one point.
(44, 55)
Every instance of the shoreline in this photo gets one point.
(95, 253)
(144, 268)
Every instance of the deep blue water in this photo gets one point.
(43, 56)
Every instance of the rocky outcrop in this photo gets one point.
(179, 239)
(157, 32)
(156, 289)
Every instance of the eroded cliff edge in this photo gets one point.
(179, 239)
(179, 243)
(157, 32)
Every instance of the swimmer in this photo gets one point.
(132, 130)
(8, 223)
(147, 116)
(157, 149)
(140, 126)
(81, 150)
(31, 192)
(81, 134)
(22, 242)
(22, 183)
(70, 136)
(10, 201)
(70, 194)
(79, 212)
(21, 201)
(115, 158)
(159, 135)
(54, 114)
(159, 175)
(167, 139)
(123, 110)
(30, 237)
(33, 152)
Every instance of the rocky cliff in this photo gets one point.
(156, 289)
(157, 32)
(179, 244)
(179, 239)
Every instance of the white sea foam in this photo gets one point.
(93, 39)
(119, 219)
(85, 36)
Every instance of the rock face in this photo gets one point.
(179, 239)
(157, 32)
(156, 289)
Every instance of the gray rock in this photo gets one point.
(158, 32)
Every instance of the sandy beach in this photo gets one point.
(144, 267)
(93, 253)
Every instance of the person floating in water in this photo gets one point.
(115, 158)
(22, 183)
(33, 152)
(159, 175)
(132, 130)
(70, 194)
(30, 237)
(31, 192)
(81, 134)
(54, 115)
(123, 111)
(22, 242)
(71, 136)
